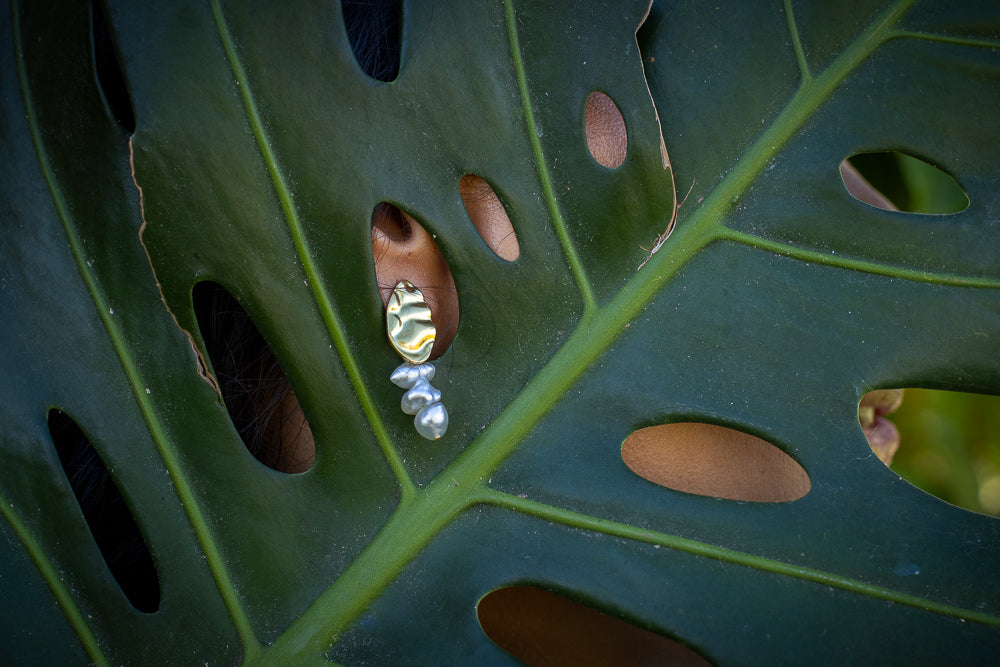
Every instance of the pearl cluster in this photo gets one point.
(421, 399)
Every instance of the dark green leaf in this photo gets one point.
(259, 153)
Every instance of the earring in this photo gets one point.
(411, 332)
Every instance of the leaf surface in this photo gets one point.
(259, 153)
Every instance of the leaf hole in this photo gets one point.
(110, 79)
(255, 388)
(895, 181)
(404, 250)
(946, 443)
(711, 460)
(607, 137)
(489, 216)
(541, 628)
(373, 29)
(108, 516)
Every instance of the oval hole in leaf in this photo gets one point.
(404, 250)
(948, 444)
(489, 216)
(108, 516)
(895, 181)
(539, 627)
(110, 79)
(373, 29)
(607, 137)
(258, 396)
(716, 461)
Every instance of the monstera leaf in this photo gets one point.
(259, 151)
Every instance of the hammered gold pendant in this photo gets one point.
(408, 323)
(411, 332)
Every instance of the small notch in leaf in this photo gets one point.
(539, 627)
(895, 181)
(715, 461)
(489, 216)
(110, 79)
(258, 395)
(108, 516)
(373, 29)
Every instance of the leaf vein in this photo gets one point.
(946, 39)
(854, 264)
(55, 583)
(558, 222)
(318, 286)
(694, 547)
(800, 54)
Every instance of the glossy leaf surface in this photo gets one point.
(260, 151)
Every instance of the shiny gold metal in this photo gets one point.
(408, 323)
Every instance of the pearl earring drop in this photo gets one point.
(412, 333)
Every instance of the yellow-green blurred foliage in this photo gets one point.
(950, 446)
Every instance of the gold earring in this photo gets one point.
(412, 333)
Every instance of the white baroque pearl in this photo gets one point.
(432, 421)
(419, 396)
(407, 374)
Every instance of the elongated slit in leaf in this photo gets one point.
(607, 137)
(373, 29)
(404, 250)
(489, 216)
(895, 181)
(108, 516)
(539, 627)
(715, 461)
(109, 72)
(258, 396)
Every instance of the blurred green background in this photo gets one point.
(949, 441)
(950, 446)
